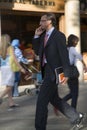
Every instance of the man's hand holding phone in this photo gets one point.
(39, 31)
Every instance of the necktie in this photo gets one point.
(45, 42)
(45, 39)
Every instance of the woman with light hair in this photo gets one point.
(7, 75)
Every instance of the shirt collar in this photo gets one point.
(50, 31)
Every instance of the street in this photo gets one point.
(22, 118)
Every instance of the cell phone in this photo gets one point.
(42, 29)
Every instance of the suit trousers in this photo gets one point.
(49, 94)
(73, 85)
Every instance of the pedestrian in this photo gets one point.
(18, 53)
(7, 75)
(73, 82)
(50, 45)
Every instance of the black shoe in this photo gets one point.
(80, 123)
(82, 118)
(13, 107)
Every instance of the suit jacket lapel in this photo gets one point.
(47, 44)
(51, 37)
(42, 46)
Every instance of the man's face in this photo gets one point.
(44, 22)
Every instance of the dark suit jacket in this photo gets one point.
(55, 51)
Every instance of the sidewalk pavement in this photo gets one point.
(23, 117)
(32, 86)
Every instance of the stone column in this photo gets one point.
(62, 23)
(72, 25)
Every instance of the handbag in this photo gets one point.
(13, 64)
(74, 73)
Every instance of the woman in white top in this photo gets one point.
(7, 75)
(73, 83)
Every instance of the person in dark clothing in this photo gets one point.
(73, 82)
(50, 45)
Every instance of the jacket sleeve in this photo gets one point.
(63, 52)
(36, 44)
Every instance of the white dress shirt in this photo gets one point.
(47, 33)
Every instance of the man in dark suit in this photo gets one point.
(52, 55)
